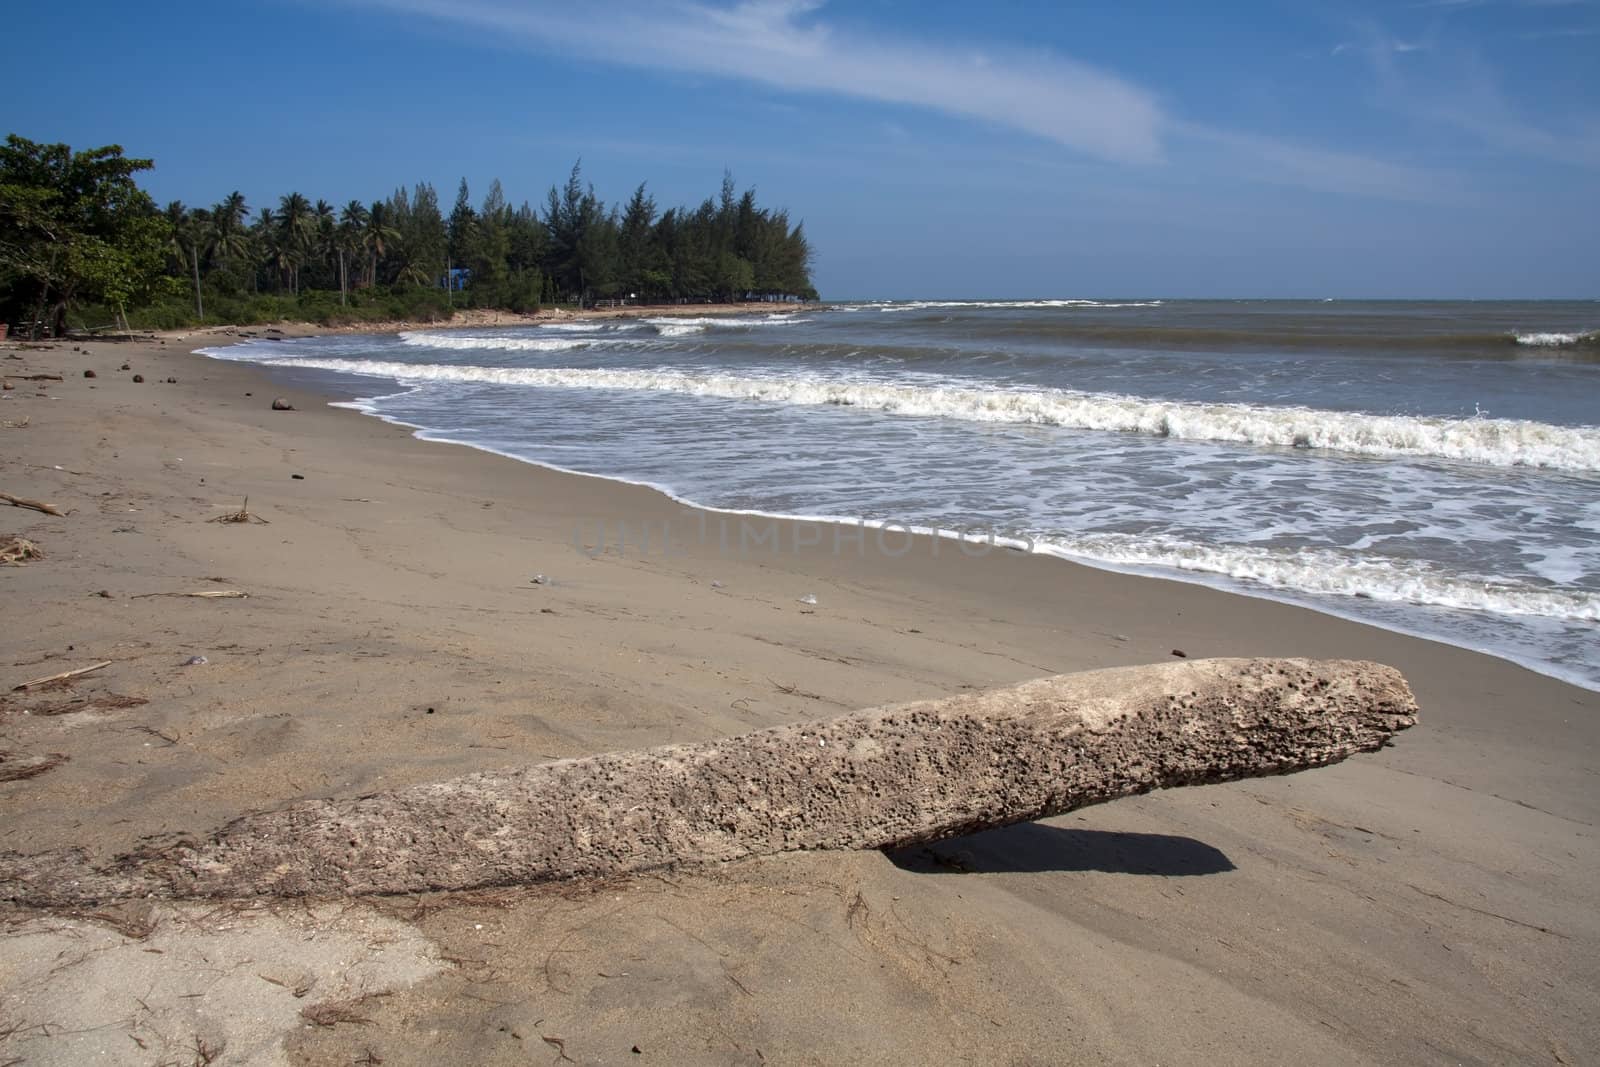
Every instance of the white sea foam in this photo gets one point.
(1329, 573)
(678, 329)
(723, 320)
(926, 305)
(571, 327)
(1559, 340)
(1496, 442)
(468, 343)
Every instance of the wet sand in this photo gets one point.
(1433, 902)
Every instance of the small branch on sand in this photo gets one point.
(242, 515)
(334, 1012)
(15, 766)
(20, 502)
(36, 377)
(794, 690)
(62, 677)
(207, 594)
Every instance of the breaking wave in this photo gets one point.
(1560, 340)
(1495, 442)
(925, 305)
(468, 343)
(675, 326)
(1331, 573)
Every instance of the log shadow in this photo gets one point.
(1031, 848)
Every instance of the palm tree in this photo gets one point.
(324, 233)
(294, 233)
(351, 225)
(262, 241)
(227, 220)
(376, 236)
(193, 236)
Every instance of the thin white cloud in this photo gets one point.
(776, 43)
(784, 44)
(1462, 92)
(1281, 162)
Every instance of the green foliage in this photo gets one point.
(77, 233)
(74, 226)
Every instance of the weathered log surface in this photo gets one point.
(873, 779)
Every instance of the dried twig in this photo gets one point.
(62, 677)
(17, 501)
(242, 515)
(14, 766)
(101, 702)
(795, 691)
(207, 594)
(206, 1053)
(560, 1045)
(36, 377)
(334, 1012)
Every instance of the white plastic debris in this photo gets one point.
(195, 661)
(808, 599)
(539, 579)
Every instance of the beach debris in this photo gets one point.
(138, 379)
(101, 701)
(883, 778)
(90, 374)
(64, 676)
(15, 766)
(22, 502)
(15, 551)
(204, 594)
(539, 579)
(1180, 653)
(298, 477)
(36, 377)
(125, 367)
(715, 584)
(242, 515)
(194, 661)
(6, 386)
(280, 404)
(809, 598)
(334, 1012)
(172, 381)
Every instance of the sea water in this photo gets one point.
(1433, 468)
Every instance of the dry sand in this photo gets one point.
(1434, 902)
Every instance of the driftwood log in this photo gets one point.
(36, 505)
(873, 779)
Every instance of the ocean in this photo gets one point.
(1429, 467)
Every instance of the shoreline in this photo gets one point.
(1328, 605)
(465, 319)
(1429, 902)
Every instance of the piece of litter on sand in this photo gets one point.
(64, 676)
(808, 599)
(195, 661)
(716, 584)
(539, 579)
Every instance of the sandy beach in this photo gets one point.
(1430, 903)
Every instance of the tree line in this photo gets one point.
(77, 232)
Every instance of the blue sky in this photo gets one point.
(1435, 149)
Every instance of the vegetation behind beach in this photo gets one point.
(83, 246)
